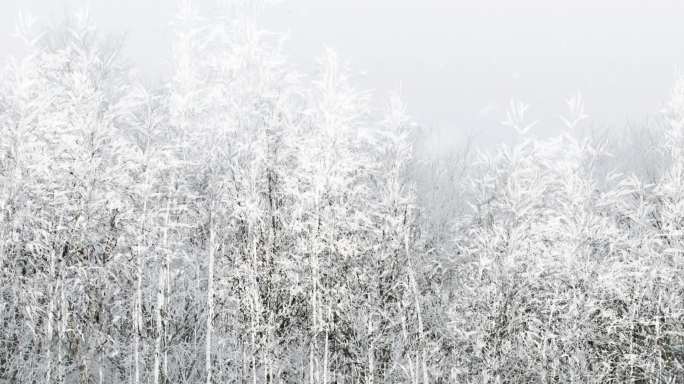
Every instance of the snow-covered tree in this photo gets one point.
(243, 222)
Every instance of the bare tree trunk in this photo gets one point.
(138, 302)
(371, 362)
(139, 295)
(138, 317)
(331, 240)
(100, 371)
(167, 293)
(210, 300)
(325, 350)
(314, 314)
(163, 270)
(62, 329)
(255, 307)
(48, 325)
(158, 326)
(416, 297)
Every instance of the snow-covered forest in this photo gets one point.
(245, 222)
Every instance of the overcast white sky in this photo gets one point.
(459, 61)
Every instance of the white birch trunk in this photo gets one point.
(163, 270)
(314, 315)
(158, 325)
(138, 289)
(371, 361)
(48, 325)
(62, 330)
(416, 297)
(255, 306)
(325, 351)
(210, 301)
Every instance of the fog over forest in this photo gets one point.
(237, 214)
(459, 62)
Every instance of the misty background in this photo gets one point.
(458, 62)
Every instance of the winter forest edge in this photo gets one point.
(244, 223)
